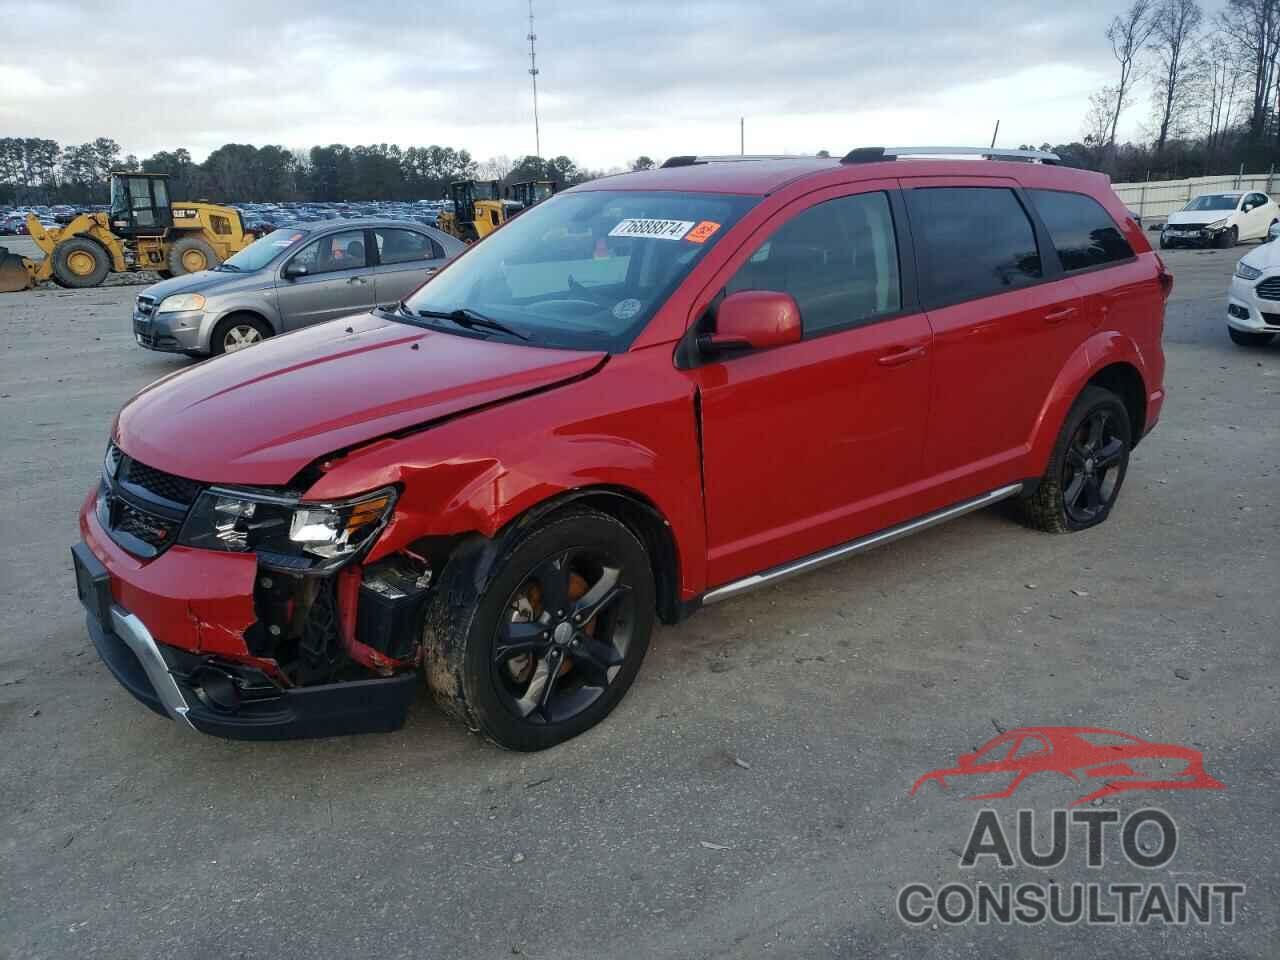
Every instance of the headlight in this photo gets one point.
(1246, 272)
(181, 301)
(286, 532)
(1217, 224)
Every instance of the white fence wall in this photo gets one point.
(1159, 198)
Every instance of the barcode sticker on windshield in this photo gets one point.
(654, 229)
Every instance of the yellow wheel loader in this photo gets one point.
(478, 210)
(530, 192)
(141, 231)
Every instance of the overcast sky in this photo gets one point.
(618, 77)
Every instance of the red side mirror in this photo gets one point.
(754, 320)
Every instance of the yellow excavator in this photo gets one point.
(142, 230)
(478, 210)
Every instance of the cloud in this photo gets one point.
(617, 79)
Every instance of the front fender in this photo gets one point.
(629, 428)
(1099, 351)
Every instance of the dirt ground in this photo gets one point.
(749, 798)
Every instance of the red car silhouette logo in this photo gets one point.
(1121, 760)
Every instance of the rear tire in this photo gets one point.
(1088, 466)
(236, 332)
(79, 263)
(505, 653)
(1243, 338)
(191, 255)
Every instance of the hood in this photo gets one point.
(1197, 218)
(1266, 256)
(201, 282)
(260, 416)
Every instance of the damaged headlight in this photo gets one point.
(1217, 225)
(286, 532)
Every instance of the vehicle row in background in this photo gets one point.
(142, 230)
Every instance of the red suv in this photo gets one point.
(648, 393)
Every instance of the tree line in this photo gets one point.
(1212, 92)
(35, 170)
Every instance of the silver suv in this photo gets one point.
(290, 278)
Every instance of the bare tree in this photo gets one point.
(1219, 82)
(1097, 122)
(1129, 34)
(496, 168)
(1173, 38)
(1253, 28)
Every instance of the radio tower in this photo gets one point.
(533, 73)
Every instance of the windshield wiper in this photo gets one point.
(472, 321)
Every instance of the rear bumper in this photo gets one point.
(220, 696)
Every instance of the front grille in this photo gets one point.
(165, 485)
(1269, 289)
(154, 531)
(1271, 319)
(143, 508)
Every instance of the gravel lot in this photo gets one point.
(122, 837)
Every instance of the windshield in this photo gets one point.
(1214, 201)
(262, 251)
(585, 270)
(119, 199)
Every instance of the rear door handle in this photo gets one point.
(901, 356)
(1059, 315)
(357, 280)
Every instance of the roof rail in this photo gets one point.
(688, 161)
(873, 154)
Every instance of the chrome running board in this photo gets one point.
(815, 560)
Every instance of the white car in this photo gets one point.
(1253, 300)
(1221, 220)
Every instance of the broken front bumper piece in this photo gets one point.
(223, 698)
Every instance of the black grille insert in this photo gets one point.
(1269, 289)
(164, 485)
(154, 531)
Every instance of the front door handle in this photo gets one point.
(1058, 316)
(901, 356)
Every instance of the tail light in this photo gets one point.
(1165, 277)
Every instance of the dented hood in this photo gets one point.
(261, 415)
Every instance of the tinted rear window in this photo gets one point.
(1083, 232)
(976, 241)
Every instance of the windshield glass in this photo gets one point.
(1213, 201)
(585, 270)
(262, 251)
(119, 199)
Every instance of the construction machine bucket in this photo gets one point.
(14, 274)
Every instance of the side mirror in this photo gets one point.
(293, 270)
(753, 320)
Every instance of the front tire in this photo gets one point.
(1243, 338)
(79, 263)
(1088, 466)
(546, 643)
(237, 332)
(1228, 238)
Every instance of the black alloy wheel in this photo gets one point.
(565, 638)
(1093, 467)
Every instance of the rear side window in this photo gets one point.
(976, 241)
(403, 246)
(838, 259)
(1083, 232)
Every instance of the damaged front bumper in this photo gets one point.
(212, 693)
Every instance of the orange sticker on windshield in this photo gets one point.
(702, 232)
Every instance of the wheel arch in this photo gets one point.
(1109, 359)
(238, 311)
(629, 507)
